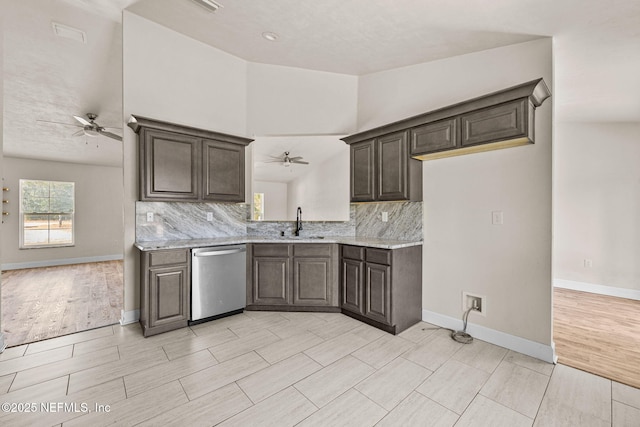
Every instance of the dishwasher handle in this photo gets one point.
(214, 253)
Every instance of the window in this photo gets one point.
(46, 213)
(258, 206)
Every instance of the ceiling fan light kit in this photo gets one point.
(286, 160)
(89, 127)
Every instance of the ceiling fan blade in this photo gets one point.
(295, 158)
(110, 135)
(299, 162)
(82, 120)
(80, 132)
(58, 123)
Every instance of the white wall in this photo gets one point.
(463, 251)
(275, 199)
(597, 203)
(286, 100)
(322, 192)
(98, 212)
(168, 76)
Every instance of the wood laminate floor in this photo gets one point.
(46, 302)
(599, 334)
(306, 369)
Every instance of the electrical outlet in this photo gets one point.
(209, 216)
(588, 263)
(476, 302)
(149, 216)
(385, 216)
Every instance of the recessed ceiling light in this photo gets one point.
(268, 35)
(69, 32)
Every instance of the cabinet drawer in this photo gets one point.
(432, 137)
(353, 252)
(271, 249)
(504, 121)
(312, 249)
(179, 256)
(379, 256)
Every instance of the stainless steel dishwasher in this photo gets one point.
(218, 281)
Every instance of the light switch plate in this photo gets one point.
(149, 216)
(209, 216)
(385, 216)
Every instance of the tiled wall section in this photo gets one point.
(181, 221)
(315, 228)
(405, 220)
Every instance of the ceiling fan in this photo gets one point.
(286, 160)
(89, 127)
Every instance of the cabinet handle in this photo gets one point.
(214, 253)
(5, 188)
(5, 213)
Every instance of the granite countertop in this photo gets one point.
(234, 240)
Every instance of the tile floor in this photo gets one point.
(285, 369)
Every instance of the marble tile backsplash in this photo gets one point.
(185, 220)
(181, 221)
(315, 228)
(404, 220)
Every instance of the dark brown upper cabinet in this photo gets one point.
(363, 163)
(180, 163)
(382, 170)
(498, 120)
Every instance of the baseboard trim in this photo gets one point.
(128, 317)
(65, 261)
(597, 289)
(530, 348)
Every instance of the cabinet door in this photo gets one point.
(362, 171)
(168, 296)
(222, 171)
(351, 285)
(433, 137)
(271, 280)
(312, 281)
(392, 157)
(377, 292)
(169, 165)
(504, 121)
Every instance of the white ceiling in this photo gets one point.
(596, 52)
(52, 78)
(596, 42)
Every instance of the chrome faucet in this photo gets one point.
(298, 221)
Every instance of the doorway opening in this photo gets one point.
(597, 333)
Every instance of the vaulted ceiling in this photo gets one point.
(596, 52)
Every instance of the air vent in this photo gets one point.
(69, 32)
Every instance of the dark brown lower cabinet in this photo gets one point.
(382, 287)
(293, 277)
(164, 290)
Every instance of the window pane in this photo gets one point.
(47, 213)
(36, 230)
(61, 230)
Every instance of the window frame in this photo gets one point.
(23, 214)
(257, 211)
